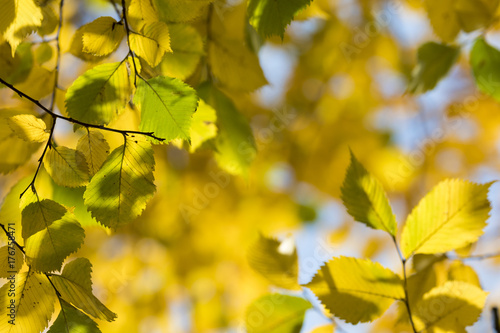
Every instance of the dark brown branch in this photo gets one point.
(127, 29)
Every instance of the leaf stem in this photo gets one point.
(11, 238)
(405, 284)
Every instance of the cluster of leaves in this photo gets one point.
(168, 42)
(452, 216)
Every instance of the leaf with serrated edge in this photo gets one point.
(71, 320)
(451, 216)
(29, 128)
(287, 314)
(33, 304)
(365, 199)
(120, 190)
(67, 167)
(95, 148)
(167, 106)
(356, 290)
(102, 36)
(141, 12)
(75, 287)
(449, 308)
(152, 43)
(279, 265)
(50, 234)
(11, 260)
(101, 93)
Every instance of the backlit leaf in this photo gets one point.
(484, 60)
(167, 106)
(120, 190)
(365, 199)
(75, 287)
(452, 215)
(141, 12)
(475, 14)
(11, 260)
(276, 313)
(29, 128)
(152, 43)
(444, 19)
(95, 149)
(66, 166)
(181, 10)
(203, 125)
(356, 290)
(102, 36)
(71, 320)
(276, 261)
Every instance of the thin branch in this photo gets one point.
(405, 284)
(74, 121)
(11, 238)
(496, 320)
(127, 29)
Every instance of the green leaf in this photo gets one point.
(32, 304)
(167, 106)
(356, 290)
(235, 144)
(475, 14)
(120, 190)
(434, 62)
(270, 17)
(95, 148)
(449, 308)
(451, 216)
(67, 167)
(43, 53)
(485, 62)
(10, 211)
(102, 36)
(151, 43)
(187, 50)
(101, 93)
(276, 261)
(276, 313)
(50, 234)
(365, 199)
(11, 260)
(203, 126)
(15, 69)
(71, 320)
(75, 287)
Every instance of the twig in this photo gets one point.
(127, 29)
(496, 321)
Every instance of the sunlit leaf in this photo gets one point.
(475, 14)
(181, 10)
(95, 149)
(452, 215)
(444, 19)
(484, 60)
(120, 190)
(276, 313)
(141, 12)
(102, 36)
(356, 290)
(29, 128)
(71, 320)
(152, 43)
(75, 287)
(66, 166)
(11, 260)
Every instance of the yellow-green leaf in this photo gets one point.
(235, 65)
(141, 12)
(75, 287)
(452, 215)
(27, 17)
(120, 190)
(203, 125)
(11, 259)
(475, 14)
(167, 105)
(181, 10)
(152, 43)
(365, 199)
(71, 320)
(29, 128)
(43, 53)
(356, 290)
(443, 18)
(458, 271)
(32, 305)
(76, 47)
(485, 62)
(276, 313)
(50, 233)
(100, 94)
(102, 36)
(187, 50)
(449, 308)
(50, 18)
(95, 148)
(276, 261)
(67, 167)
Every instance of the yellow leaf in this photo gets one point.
(449, 308)
(475, 14)
(276, 261)
(443, 19)
(356, 290)
(460, 272)
(141, 12)
(235, 65)
(76, 47)
(324, 329)
(152, 44)
(102, 36)
(27, 17)
(29, 128)
(50, 18)
(181, 10)
(67, 167)
(203, 125)
(39, 82)
(452, 215)
(11, 260)
(95, 149)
